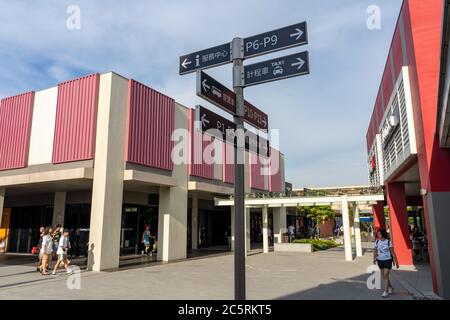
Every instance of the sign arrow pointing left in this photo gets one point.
(185, 63)
(205, 121)
(205, 86)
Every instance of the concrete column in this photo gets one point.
(107, 188)
(172, 219)
(437, 209)
(232, 227)
(356, 225)
(265, 219)
(398, 217)
(59, 208)
(2, 202)
(379, 221)
(194, 223)
(279, 223)
(172, 223)
(346, 224)
(247, 231)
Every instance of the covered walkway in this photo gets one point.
(347, 202)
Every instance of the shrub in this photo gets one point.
(318, 244)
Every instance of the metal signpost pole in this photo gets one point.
(239, 176)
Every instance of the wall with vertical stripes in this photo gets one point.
(76, 115)
(197, 166)
(228, 164)
(43, 128)
(255, 175)
(150, 123)
(15, 126)
(275, 171)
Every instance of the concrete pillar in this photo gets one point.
(379, 221)
(194, 223)
(59, 208)
(232, 227)
(172, 223)
(265, 220)
(107, 188)
(346, 224)
(248, 246)
(357, 228)
(398, 217)
(437, 218)
(172, 218)
(279, 223)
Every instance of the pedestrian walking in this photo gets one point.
(384, 256)
(146, 240)
(39, 246)
(46, 250)
(63, 247)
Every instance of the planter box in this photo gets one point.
(293, 247)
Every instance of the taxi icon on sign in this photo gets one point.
(278, 70)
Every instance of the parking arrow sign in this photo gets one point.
(275, 40)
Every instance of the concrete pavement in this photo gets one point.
(318, 275)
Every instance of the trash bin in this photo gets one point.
(285, 238)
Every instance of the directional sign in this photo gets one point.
(285, 67)
(216, 93)
(209, 120)
(287, 37)
(206, 58)
(213, 91)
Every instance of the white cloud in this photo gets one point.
(322, 116)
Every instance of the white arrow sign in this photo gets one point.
(297, 34)
(205, 86)
(185, 63)
(299, 63)
(204, 120)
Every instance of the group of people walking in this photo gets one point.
(53, 243)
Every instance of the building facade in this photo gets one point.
(94, 154)
(405, 151)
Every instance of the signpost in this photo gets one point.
(275, 40)
(218, 126)
(276, 69)
(213, 91)
(208, 88)
(207, 58)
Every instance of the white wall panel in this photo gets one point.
(43, 127)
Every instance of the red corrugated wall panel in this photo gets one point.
(228, 164)
(275, 175)
(387, 84)
(76, 119)
(256, 178)
(397, 54)
(15, 128)
(198, 169)
(150, 123)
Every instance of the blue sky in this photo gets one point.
(322, 117)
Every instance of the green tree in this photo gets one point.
(319, 214)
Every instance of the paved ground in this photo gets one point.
(319, 275)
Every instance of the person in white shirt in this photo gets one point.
(46, 250)
(63, 247)
(384, 256)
